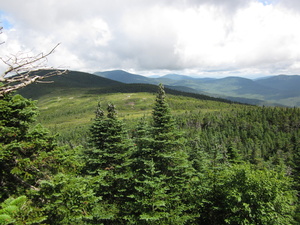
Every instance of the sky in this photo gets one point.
(205, 38)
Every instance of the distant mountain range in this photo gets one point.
(281, 90)
(89, 84)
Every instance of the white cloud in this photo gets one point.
(193, 36)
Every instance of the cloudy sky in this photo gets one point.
(210, 38)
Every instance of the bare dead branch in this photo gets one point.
(44, 82)
(18, 63)
(24, 183)
(1, 28)
(16, 83)
(22, 70)
(18, 179)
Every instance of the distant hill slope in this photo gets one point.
(281, 90)
(71, 80)
(91, 84)
(276, 90)
(238, 86)
(129, 78)
(281, 82)
(177, 77)
(125, 77)
(288, 86)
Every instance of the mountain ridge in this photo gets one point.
(272, 90)
(280, 90)
(90, 84)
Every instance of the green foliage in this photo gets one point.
(109, 156)
(206, 163)
(70, 114)
(19, 211)
(67, 199)
(16, 114)
(28, 157)
(21, 147)
(163, 173)
(111, 147)
(243, 195)
(10, 208)
(151, 196)
(264, 136)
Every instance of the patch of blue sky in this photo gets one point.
(4, 22)
(268, 2)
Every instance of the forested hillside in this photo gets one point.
(281, 90)
(142, 158)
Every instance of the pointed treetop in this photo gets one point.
(161, 94)
(160, 99)
(162, 118)
(111, 111)
(99, 111)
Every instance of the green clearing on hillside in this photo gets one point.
(70, 114)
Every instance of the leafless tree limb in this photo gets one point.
(19, 81)
(1, 33)
(20, 63)
(18, 179)
(22, 70)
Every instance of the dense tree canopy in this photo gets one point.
(164, 176)
(22, 148)
(237, 166)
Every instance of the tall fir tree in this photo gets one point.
(23, 148)
(165, 178)
(109, 159)
(109, 141)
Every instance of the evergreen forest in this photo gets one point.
(119, 160)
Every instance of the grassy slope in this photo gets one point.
(72, 113)
(78, 108)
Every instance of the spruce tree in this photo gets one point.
(164, 179)
(109, 141)
(168, 144)
(23, 149)
(109, 159)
